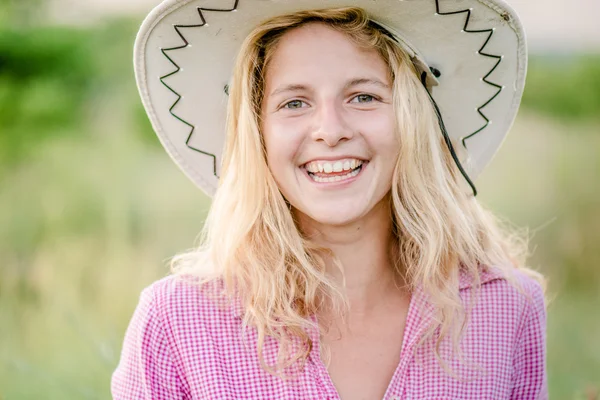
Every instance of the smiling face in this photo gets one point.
(328, 124)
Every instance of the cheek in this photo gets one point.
(282, 143)
(379, 131)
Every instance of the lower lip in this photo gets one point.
(337, 184)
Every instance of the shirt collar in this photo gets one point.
(486, 274)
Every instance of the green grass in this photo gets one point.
(85, 226)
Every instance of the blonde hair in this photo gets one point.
(251, 243)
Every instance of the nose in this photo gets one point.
(331, 125)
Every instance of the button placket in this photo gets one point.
(420, 314)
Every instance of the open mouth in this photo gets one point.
(334, 172)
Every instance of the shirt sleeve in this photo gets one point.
(146, 370)
(530, 379)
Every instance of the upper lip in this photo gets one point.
(332, 158)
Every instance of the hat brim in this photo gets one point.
(185, 52)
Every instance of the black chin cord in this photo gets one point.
(446, 137)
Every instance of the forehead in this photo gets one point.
(318, 49)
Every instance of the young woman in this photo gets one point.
(345, 255)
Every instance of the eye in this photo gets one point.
(294, 104)
(363, 98)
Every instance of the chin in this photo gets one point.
(334, 216)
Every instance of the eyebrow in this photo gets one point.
(366, 81)
(353, 82)
(288, 88)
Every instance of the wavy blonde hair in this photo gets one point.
(250, 240)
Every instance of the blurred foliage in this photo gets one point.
(51, 77)
(90, 206)
(23, 13)
(564, 87)
(45, 76)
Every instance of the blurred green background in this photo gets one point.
(91, 207)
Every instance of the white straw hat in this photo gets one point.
(472, 55)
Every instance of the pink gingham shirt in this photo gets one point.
(181, 345)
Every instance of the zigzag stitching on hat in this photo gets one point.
(480, 51)
(234, 7)
(178, 68)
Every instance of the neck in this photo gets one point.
(364, 249)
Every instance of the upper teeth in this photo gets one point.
(335, 166)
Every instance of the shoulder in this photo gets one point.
(176, 322)
(509, 281)
(181, 299)
(510, 312)
(511, 296)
